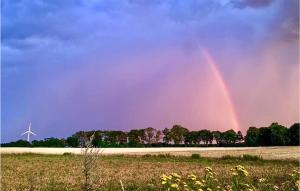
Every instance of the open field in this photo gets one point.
(289, 152)
(64, 172)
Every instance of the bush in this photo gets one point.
(167, 155)
(195, 156)
(243, 157)
(229, 157)
(146, 155)
(252, 157)
(67, 154)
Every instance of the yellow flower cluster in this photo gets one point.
(172, 181)
(238, 182)
(239, 171)
(192, 182)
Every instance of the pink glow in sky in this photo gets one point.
(227, 97)
(119, 65)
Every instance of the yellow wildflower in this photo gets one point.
(198, 183)
(175, 175)
(261, 180)
(174, 185)
(192, 177)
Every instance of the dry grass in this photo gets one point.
(289, 152)
(63, 172)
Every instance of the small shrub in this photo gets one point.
(229, 157)
(167, 155)
(146, 155)
(195, 156)
(119, 155)
(67, 154)
(252, 157)
(90, 156)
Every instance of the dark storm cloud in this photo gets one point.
(27, 19)
(241, 4)
(287, 24)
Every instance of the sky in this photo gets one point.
(78, 65)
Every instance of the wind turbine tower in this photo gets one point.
(28, 132)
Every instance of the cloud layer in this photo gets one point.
(71, 65)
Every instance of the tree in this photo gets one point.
(217, 136)
(206, 136)
(122, 137)
(82, 137)
(166, 135)
(229, 137)
(158, 136)
(135, 137)
(114, 138)
(151, 135)
(251, 137)
(191, 137)
(18, 143)
(54, 142)
(294, 134)
(279, 135)
(178, 133)
(36, 143)
(240, 137)
(72, 141)
(264, 137)
(97, 139)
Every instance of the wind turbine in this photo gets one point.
(28, 132)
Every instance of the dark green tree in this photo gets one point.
(18, 143)
(191, 137)
(264, 137)
(279, 135)
(166, 135)
(97, 139)
(251, 137)
(135, 137)
(217, 136)
(240, 137)
(54, 142)
(294, 134)
(229, 137)
(206, 136)
(72, 141)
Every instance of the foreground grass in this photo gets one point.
(64, 172)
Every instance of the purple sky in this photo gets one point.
(94, 64)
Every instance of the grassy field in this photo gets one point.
(64, 172)
(283, 152)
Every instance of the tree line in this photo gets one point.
(273, 135)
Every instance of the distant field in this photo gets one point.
(64, 172)
(266, 152)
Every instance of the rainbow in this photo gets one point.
(226, 94)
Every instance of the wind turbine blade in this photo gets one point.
(32, 133)
(25, 133)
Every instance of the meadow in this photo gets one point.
(135, 172)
